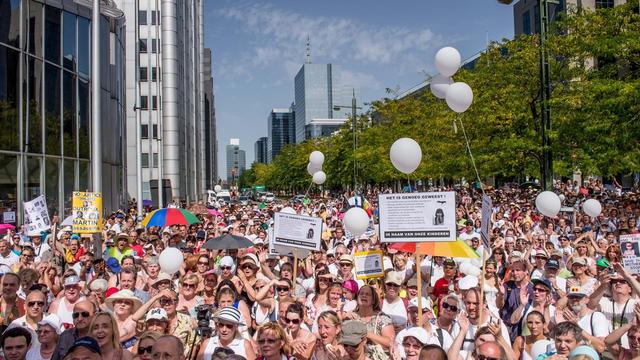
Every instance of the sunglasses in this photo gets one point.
(482, 357)
(280, 289)
(84, 314)
(225, 268)
(392, 285)
(345, 264)
(225, 325)
(267, 341)
(189, 286)
(323, 280)
(537, 289)
(614, 282)
(142, 350)
(292, 321)
(412, 346)
(34, 303)
(449, 307)
(246, 266)
(164, 302)
(203, 263)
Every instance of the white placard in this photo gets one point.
(485, 224)
(36, 215)
(280, 250)
(297, 231)
(9, 217)
(417, 217)
(630, 247)
(369, 264)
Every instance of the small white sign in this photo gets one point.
(485, 224)
(297, 231)
(36, 215)
(417, 217)
(369, 264)
(630, 248)
(9, 217)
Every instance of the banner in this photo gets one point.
(36, 215)
(417, 217)
(369, 264)
(297, 231)
(9, 217)
(485, 225)
(630, 247)
(87, 212)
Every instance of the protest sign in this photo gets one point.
(485, 224)
(280, 250)
(87, 212)
(297, 231)
(417, 217)
(630, 247)
(369, 264)
(36, 215)
(9, 217)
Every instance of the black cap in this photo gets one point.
(543, 282)
(201, 234)
(86, 342)
(553, 264)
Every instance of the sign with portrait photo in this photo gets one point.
(297, 231)
(417, 217)
(36, 215)
(630, 248)
(369, 264)
(87, 212)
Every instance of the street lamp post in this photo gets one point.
(545, 94)
(354, 107)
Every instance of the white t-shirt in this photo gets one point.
(593, 324)
(9, 260)
(618, 315)
(396, 311)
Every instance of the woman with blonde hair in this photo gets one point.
(329, 329)
(105, 330)
(188, 298)
(145, 345)
(272, 342)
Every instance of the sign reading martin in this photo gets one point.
(87, 212)
(297, 231)
(417, 217)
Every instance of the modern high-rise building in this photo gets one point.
(236, 161)
(526, 13)
(166, 81)
(45, 104)
(260, 150)
(318, 88)
(281, 130)
(210, 137)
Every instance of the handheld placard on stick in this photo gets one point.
(419, 271)
(295, 269)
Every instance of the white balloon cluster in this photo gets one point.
(458, 95)
(314, 167)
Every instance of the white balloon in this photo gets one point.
(288, 210)
(319, 177)
(548, 203)
(439, 85)
(312, 168)
(459, 97)
(448, 61)
(405, 155)
(356, 221)
(469, 269)
(170, 260)
(316, 158)
(592, 207)
(217, 188)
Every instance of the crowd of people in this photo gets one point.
(552, 288)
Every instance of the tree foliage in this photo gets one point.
(595, 101)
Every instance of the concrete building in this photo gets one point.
(260, 150)
(318, 88)
(236, 161)
(526, 13)
(45, 97)
(281, 130)
(210, 136)
(165, 39)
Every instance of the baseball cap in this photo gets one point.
(557, 253)
(393, 277)
(417, 332)
(114, 265)
(71, 280)
(86, 342)
(553, 264)
(412, 282)
(449, 262)
(201, 234)
(52, 320)
(543, 282)
(157, 314)
(602, 262)
(353, 332)
(413, 303)
(580, 260)
(576, 291)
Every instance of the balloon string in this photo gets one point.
(309, 188)
(473, 161)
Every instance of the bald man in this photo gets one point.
(491, 350)
(168, 347)
(83, 313)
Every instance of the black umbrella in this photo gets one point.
(226, 242)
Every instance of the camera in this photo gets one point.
(203, 315)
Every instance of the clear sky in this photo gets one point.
(259, 46)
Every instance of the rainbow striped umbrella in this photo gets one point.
(455, 249)
(168, 217)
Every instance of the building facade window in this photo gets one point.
(604, 4)
(145, 160)
(144, 131)
(142, 17)
(142, 43)
(526, 22)
(155, 131)
(144, 102)
(154, 74)
(155, 159)
(144, 75)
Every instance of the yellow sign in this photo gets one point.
(369, 264)
(87, 212)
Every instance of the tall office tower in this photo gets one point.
(166, 96)
(236, 161)
(260, 150)
(210, 136)
(45, 102)
(318, 88)
(281, 130)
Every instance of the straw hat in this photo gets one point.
(124, 295)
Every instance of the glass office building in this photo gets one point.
(281, 130)
(45, 104)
